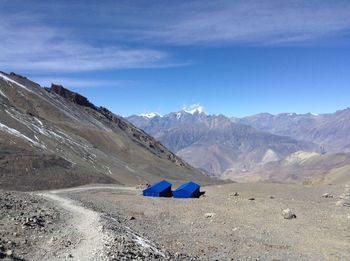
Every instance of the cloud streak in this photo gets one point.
(255, 22)
(32, 46)
(61, 36)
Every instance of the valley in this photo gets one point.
(150, 130)
(284, 148)
(81, 168)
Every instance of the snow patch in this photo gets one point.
(145, 243)
(18, 134)
(3, 94)
(150, 115)
(109, 170)
(8, 79)
(130, 169)
(38, 121)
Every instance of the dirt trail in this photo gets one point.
(85, 223)
(95, 187)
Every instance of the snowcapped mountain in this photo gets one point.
(214, 143)
(193, 109)
(150, 115)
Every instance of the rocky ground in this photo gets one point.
(238, 221)
(27, 224)
(48, 226)
(229, 222)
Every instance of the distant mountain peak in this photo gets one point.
(150, 115)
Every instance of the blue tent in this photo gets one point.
(159, 189)
(187, 190)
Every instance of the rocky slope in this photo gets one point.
(215, 143)
(52, 137)
(309, 168)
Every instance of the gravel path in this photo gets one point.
(101, 236)
(86, 222)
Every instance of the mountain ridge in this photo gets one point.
(216, 143)
(52, 138)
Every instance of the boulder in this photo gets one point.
(327, 195)
(209, 215)
(288, 214)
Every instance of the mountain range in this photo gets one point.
(216, 143)
(53, 137)
(331, 131)
(254, 148)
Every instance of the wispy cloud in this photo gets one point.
(67, 36)
(28, 44)
(193, 108)
(248, 21)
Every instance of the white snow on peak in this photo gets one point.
(150, 115)
(8, 79)
(192, 109)
(314, 114)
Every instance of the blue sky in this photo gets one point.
(232, 57)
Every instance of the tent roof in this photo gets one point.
(189, 186)
(159, 186)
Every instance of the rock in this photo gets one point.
(339, 202)
(234, 194)
(272, 197)
(143, 186)
(327, 195)
(209, 215)
(130, 218)
(251, 198)
(72, 96)
(9, 252)
(346, 203)
(288, 214)
(345, 196)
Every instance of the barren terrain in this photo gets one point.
(232, 221)
(221, 225)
